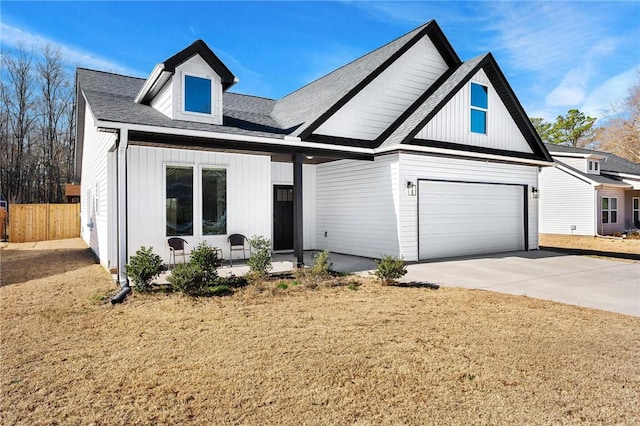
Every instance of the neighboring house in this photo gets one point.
(72, 193)
(406, 151)
(589, 193)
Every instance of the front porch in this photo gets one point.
(285, 262)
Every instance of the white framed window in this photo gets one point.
(609, 210)
(635, 211)
(214, 201)
(479, 108)
(179, 200)
(197, 94)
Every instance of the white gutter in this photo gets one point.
(288, 141)
(122, 206)
(577, 155)
(479, 155)
(148, 84)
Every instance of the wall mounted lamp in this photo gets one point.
(411, 188)
(535, 192)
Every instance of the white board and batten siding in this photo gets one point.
(357, 207)
(418, 168)
(96, 190)
(452, 122)
(381, 102)
(282, 174)
(249, 195)
(565, 201)
(619, 225)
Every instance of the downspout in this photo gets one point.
(121, 161)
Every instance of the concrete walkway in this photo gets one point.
(610, 285)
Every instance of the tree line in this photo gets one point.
(37, 126)
(619, 135)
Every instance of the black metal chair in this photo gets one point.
(177, 247)
(237, 242)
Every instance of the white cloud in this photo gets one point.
(598, 102)
(14, 37)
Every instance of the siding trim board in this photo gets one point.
(160, 140)
(470, 148)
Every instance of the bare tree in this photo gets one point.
(18, 118)
(621, 133)
(36, 127)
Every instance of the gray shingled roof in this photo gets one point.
(613, 163)
(111, 98)
(304, 106)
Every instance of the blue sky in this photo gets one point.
(556, 55)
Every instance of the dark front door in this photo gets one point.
(283, 217)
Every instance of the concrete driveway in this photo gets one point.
(610, 285)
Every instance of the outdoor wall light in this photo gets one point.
(535, 192)
(411, 188)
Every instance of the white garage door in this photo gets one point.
(458, 219)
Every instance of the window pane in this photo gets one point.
(179, 201)
(636, 203)
(479, 97)
(197, 94)
(214, 202)
(614, 217)
(614, 204)
(636, 218)
(478, 121)
(605, 217)
(605, 204)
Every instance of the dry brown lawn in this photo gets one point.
(612, 245)
(375, 355)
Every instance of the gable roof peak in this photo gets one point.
(333, 90)
(164, 70)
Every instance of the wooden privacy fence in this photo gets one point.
(40, 222)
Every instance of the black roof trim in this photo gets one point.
(432, 30)
(200, 47)
(471, 148)
(508, 97)
(340, 141)
(215, 144)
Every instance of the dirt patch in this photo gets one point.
(611, 245)
(374, 355)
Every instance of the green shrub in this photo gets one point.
(220, 290)
(390, 268)
(232, 281)
(206, 258)
(353, 285)
(260, 260)
(283, 285)
(321, 264)
(187, 278)
(143, 267)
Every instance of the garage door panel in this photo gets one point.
(457, 219)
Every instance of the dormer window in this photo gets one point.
(479, 106)
(593, 167)
(197, 94)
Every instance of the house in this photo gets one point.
(406, 151)
(72, 193)
(589, 193)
